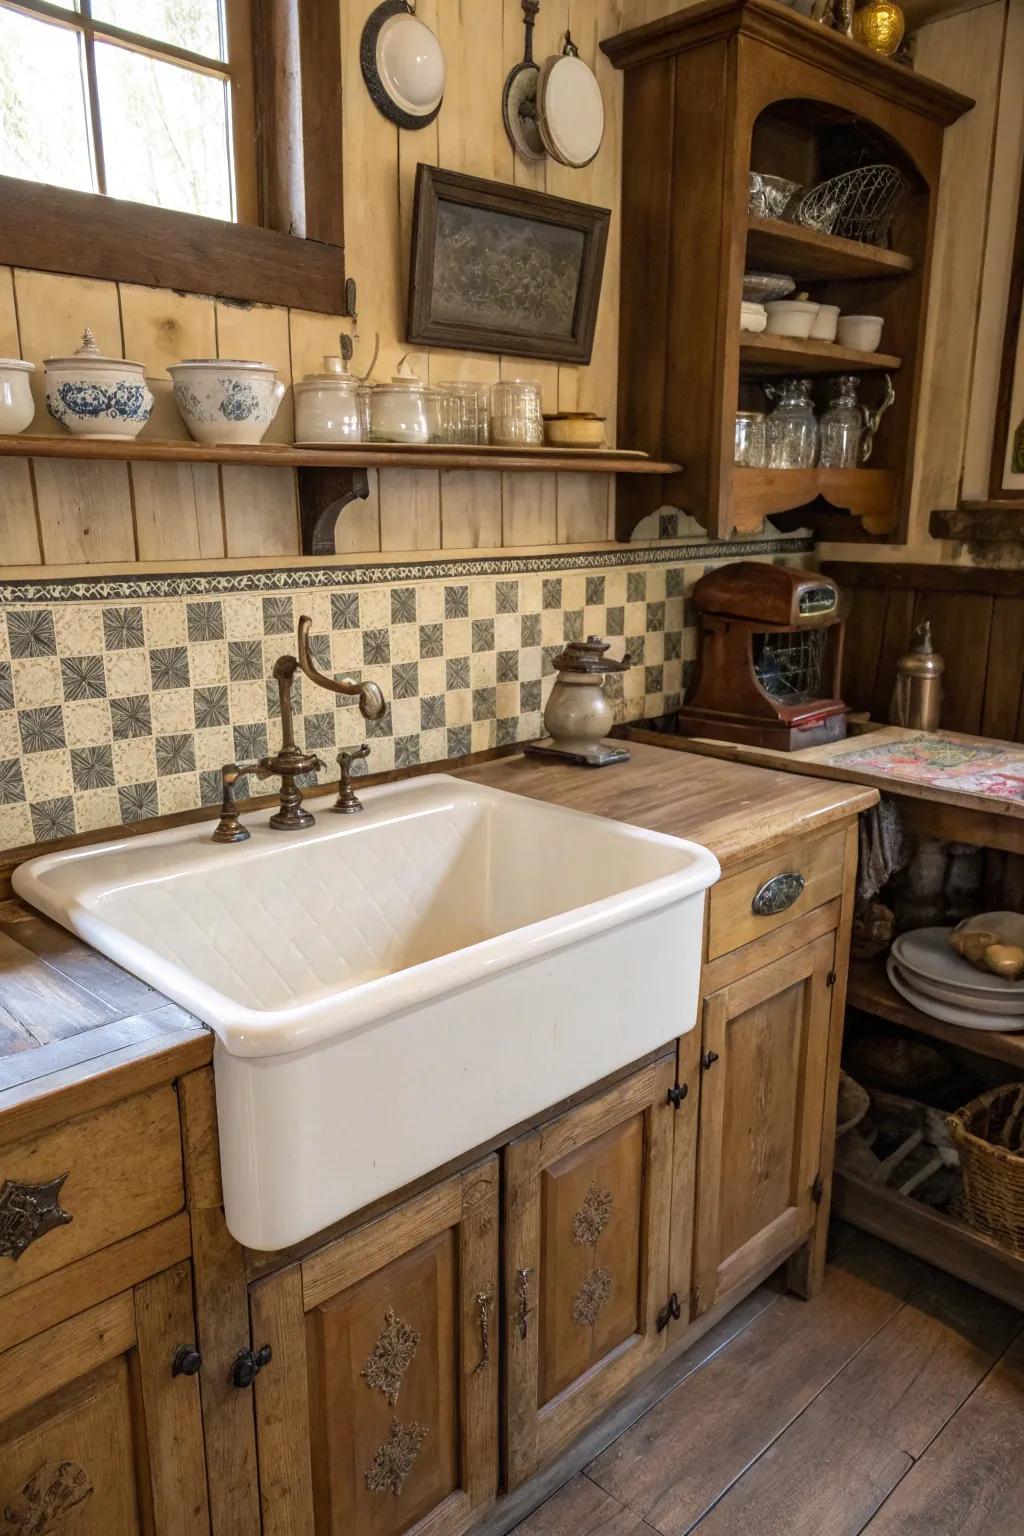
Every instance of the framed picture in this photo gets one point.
(1006, 481)
(502, 269)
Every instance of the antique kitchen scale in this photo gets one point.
(769, 652)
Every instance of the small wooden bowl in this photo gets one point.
(574, 429)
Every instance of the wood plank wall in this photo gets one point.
(68, 515)
(977, 620)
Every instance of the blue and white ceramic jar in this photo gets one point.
(97, 396)
(226, 400)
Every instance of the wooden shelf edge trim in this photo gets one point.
(792, 351)
(930, 1235)
(833, 250)
(868, 989)
(981, 522)
(361, 456)
(864, 493)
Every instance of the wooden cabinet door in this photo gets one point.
(98, 1434)
(377, 1412)
(587, 1202)
(764, 1053)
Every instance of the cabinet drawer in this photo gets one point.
(77, 1187)
(744, 906)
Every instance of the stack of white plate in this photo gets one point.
(926, 970)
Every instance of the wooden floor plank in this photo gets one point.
(582, 1509)
(673, 1465)
(927, 1360)
(970, 1481)
(825, 1474)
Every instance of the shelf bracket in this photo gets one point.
(323, 496)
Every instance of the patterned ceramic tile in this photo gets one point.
(83, 677)
(205, 621)
(123, 629)
(30, 633)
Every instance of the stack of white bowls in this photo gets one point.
(927, 971)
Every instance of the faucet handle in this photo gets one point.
(229, 829)
(348, 801)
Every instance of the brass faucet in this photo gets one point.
(290, 762)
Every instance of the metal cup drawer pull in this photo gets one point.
(778, 894)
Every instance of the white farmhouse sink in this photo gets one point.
(391, 989)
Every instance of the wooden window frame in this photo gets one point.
(291, 181)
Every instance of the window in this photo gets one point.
(149, 100)
(192, 144)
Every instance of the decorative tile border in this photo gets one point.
(121, 698)
(134, 588)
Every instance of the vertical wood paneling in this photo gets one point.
(260, 511)
(53, 311)
(9, 345)
(582, 508)
(161, 328)
(528, 510)
(85, 512)
(178, 511)
(358, 528)
(470, 509)
(471, 134)
(19, 535)
(410, 509)
(259, 333)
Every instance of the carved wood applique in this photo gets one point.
(47, 1504)
(392, 1356)
(394, 1460)
(592, 1217)
(592, 1296)
(27, 1212)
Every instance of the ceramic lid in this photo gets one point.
(588, 656)
(403, 379)
(90, 355)
(223, 362)
(335, 376)
(18, 364)
(570, 111)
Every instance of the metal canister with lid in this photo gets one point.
(917, 696)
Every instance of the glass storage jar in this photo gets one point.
(792, 429)
(750, 443)
(842, 426)
(517, 418)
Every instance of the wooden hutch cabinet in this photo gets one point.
(711, 93)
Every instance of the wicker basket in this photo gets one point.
(989, 1136)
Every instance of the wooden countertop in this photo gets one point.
(736, 810)
(68, 1014)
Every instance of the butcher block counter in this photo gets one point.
(150, 1361)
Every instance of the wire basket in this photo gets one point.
(860, 204)
(989, 1135)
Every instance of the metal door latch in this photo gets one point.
(671, 1312)
(248, 1364)
(677, 1094)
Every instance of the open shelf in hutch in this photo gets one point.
(711, 93)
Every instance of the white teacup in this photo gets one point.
(17, 406)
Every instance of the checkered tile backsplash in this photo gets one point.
(121, 701)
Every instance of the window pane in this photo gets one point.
(44, 133)
(165, 133)
(192, 24)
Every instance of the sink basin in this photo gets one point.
(391, 989)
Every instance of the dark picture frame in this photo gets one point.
(496, 268)
(1008, 421)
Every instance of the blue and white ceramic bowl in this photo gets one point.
(226, 400)
(96, 396)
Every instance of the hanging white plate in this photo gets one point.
(946, 1011)
(570, 110)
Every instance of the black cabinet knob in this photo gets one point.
(187, 1361)
(248, 1364)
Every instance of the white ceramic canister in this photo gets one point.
(398, 410)
(227, 399)
(327, 406)
(16, 404)
(97, 396)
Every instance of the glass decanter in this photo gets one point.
(842, 426)
(792, 429)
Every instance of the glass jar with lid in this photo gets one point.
(792, 428)
(398, 409)
(842, 426)
(327, 405)
(749, 450)
(517, 414)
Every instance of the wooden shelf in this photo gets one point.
(361, 456)
(809, 256)
(929, 1234)
(869, 989)
(868, 494)
(761, 354)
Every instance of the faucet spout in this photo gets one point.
(371, 699)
